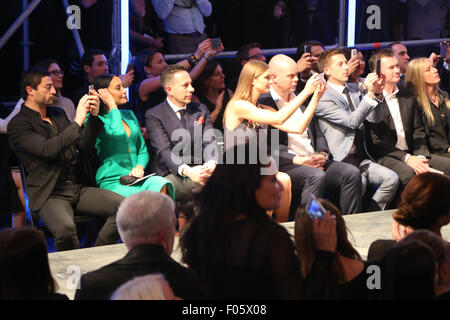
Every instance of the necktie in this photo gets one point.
(182, 113)
(349, 100)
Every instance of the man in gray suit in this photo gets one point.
(181, 135)
(341, 113)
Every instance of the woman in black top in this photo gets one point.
(210, 90)
(236, 249)
(347, 277)
(24, 269)
(423, 79)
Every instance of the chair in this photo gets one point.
(32, 217)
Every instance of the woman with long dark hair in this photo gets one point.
(120, 147)
(236, 249)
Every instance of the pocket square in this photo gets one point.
(200, 121)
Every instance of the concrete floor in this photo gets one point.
(67, 266)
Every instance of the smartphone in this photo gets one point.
(322, 75)
(354, 52)
(378, 68)
(307, 48)
(91, 87)
(443, 52)
(215, 42)
(315, 209)
(130, 67)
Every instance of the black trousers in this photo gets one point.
(406, 173)
(58, 212)
(340, 176)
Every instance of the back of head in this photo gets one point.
(24, 267)
(408, 272)
(242, 53)
(305, 241)
(32, 78)
(250, 71)
(88, 56)
(437, 245)
(424, 200)
(168, 74)
(326, 56)
(149, 287)
(143, 215)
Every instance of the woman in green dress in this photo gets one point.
(120, 147)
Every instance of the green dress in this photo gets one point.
(119, 154)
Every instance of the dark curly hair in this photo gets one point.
(425, 199)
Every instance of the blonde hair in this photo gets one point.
(149, 287)
(414, 81)
(251, 70)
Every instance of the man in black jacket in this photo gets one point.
(399, 141)
(50, 148)
(146, 223)
(305, 157)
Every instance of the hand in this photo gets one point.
(305, 161)
(312, 84)
(209, 166)
(219, 101)
(197, 174)
(144, 133)
(447, 56)
(82, 110)
(94, 105)
(319, 160)
(320, 90)
(137, 172)
(304, 63)
(374, 84)
(213, 51)
(324, 230)
(106, 97)
(127, 79)
(353, 65)
(418, 164)
(202, 48)
(156, 42)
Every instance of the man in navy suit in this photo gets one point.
(305, 157)
(181, 135)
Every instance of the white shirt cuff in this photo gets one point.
(180, 169)
(371, 101)
(406, 157)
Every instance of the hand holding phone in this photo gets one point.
(354, 53)
(307, 48)
(378, 70)
(443, 51)
(215, 43)
(91, 88)
(315, 208)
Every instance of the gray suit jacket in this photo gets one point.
(339, 124)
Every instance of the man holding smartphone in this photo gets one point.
(306, 157)
(307, 56)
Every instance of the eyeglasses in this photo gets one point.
(57, 72)
(256, 56)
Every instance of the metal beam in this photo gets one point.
(8, 34)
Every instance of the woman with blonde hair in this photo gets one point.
(244, 117)
(423, 79)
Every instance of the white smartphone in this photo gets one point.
(354, 52)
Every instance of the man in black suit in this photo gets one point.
(399, 141)
(51, 149)
(181, 135)
(146, 223)
(305, 157)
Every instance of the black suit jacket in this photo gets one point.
(41, 153)
(318, 141)
(161, 122)
(382, 136)
(139, 261)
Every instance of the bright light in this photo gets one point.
(351, 23)
(124, 35)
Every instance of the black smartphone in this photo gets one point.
(307, 48)
(443, 52)
(130, 67)
(215, 42)
(315, 209)
(378, 68)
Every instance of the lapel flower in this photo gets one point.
(200, 121)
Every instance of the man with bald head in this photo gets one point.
(305, 157)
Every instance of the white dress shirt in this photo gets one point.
(298, 144)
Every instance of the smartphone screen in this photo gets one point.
(307, 48)
(91, 87)
(315, 209)
(215, 42)
(378, 68)
(443, 52)
(354, 53)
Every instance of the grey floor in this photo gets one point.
(67, 266)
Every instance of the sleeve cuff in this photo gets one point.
(372, 102)
(406, 157)
(446, 66)
(180, 169)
